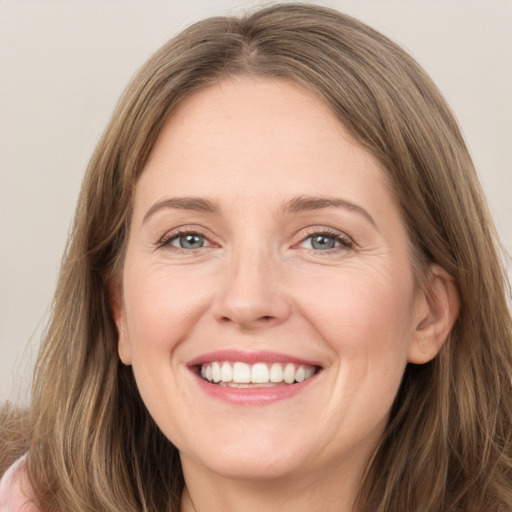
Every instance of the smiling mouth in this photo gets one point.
(243, 375)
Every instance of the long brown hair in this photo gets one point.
(448, 445)
(14, 434)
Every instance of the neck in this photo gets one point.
(333, 490)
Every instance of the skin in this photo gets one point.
(250, 146)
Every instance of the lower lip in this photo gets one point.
(256, 395)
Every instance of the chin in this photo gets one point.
(259, 460)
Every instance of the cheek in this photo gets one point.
(161, 308)
(365, 319)
(353, 303)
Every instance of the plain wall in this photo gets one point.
(63, 65)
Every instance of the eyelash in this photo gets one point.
(167, 239)
(345, 242)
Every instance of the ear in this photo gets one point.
(119, 315)
(436, 310)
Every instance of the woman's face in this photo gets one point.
(268, 306)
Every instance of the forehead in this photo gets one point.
(259, 134)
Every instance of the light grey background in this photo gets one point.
(63, 65)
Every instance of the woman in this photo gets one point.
(281, 291)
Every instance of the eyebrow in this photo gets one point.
(295, 205)
(307, 203)
(196, 204)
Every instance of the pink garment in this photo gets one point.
(15, 490)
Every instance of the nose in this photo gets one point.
(251, 295)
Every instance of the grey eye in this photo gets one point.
(322, 242)
(189, 241)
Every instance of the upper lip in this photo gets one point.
(249, 358)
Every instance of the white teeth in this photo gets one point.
(234, 374)
(241, 373)
(226, 373)
(310, 371)
(276, 373)
(289, 373)
(216, 372)
(259, 373)
(300, 374)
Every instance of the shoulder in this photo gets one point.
(16, 493)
